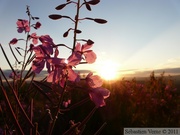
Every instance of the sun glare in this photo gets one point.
(108, 70)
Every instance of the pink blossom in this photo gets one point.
(41, 58)
(13, 41)
(89, 55)
(62, 70)
(97, 95)
(94, 81)
(38, 65)
(39, 52)
(42, 52)
(96, 92)
(47, 43)
(34, 38)
(23, 25)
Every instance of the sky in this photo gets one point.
(139, 35)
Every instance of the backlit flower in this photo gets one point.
(62, 70)
(23, 25)
(34, 38)
(42, 53)
(38, 65)
(47, 43)
(96, 92)
(83, 50)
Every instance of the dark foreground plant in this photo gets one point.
(142, 102)
(32, 106)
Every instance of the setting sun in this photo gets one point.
(108, 70)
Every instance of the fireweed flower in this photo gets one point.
(34, 38)
(23, 25)
(40, 59)
(96, 92)
(83, 50)
(47, 43)
(38, 65)
(13, 41)
(62, 70)
(42, 53)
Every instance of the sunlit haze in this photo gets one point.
(108, 69)
(139, 35)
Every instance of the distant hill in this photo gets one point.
(175, 72)
(146, 73)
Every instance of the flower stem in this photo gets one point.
(58, 107)
(76, 24)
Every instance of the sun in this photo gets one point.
(108, 70)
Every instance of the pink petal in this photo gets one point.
(72, 76)
(98, 95)
(38, 51)
(94, 81)
(103, 91)
(46, 38)
(48, 48)
(27, 29)
(20, 30)
(97, 99)
(90, 56)
(54, 76)
(56, 61)
(86, 47)
(19, 23)
(38, 65)
(78, 47)
(74, 59)
(35, 41)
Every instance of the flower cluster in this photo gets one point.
(42, 53)
(60, 70)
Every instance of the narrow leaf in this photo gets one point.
(55, 16)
